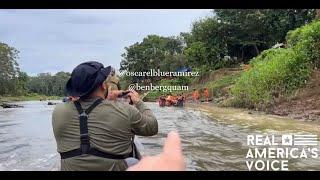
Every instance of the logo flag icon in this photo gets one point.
(287, 140)
(306, 140)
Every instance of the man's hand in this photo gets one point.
(134, 96)
(113, 94)
(171, 159)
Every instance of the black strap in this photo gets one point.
(84, 136)
(83, 117)
(94, 152)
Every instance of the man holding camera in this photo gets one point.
(94, 133)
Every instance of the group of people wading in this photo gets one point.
(180, 99)
(171, 100)
(196, 95)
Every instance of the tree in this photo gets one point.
(229, 37)
(196, 53)
(47, 84)
(21, 84)
(154, 52)
(9, 69)
(254, 30)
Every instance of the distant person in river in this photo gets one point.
(183, 97)
(94, 133)
(180, 100)
(162, 101)
(196, 95)
(170, 99)
(206, 94)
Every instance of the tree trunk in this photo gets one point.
(318, 14)
(256, 48)
(242, 53)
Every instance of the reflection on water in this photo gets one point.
(27, 142)
(207, 144)
(26, 139)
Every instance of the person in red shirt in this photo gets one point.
(196, 95)
(206, 94)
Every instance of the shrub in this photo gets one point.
(306, 41)
(280, 72)
(277, 72)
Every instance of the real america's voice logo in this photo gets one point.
(273, 152)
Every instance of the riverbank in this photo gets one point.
(282, 81)
(30, 97)
(303, 105)
(256, 120)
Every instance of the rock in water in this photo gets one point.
(11, 106)
(51, 103)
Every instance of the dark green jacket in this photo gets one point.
(110, 127)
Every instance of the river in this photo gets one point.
(27, 142)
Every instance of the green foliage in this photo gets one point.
(278, 72)
(226, 39)
(28, 97)
(206, 44)
(216, 87)
(12, 80)
(266, 26)
(306, 41)
(154, 52)
(240, 33)
(196, 54)
(16, 83)
(48, 84)
(266, 56)
(183, 80)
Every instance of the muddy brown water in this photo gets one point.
(27, 142)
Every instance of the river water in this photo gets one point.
(27, 142)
